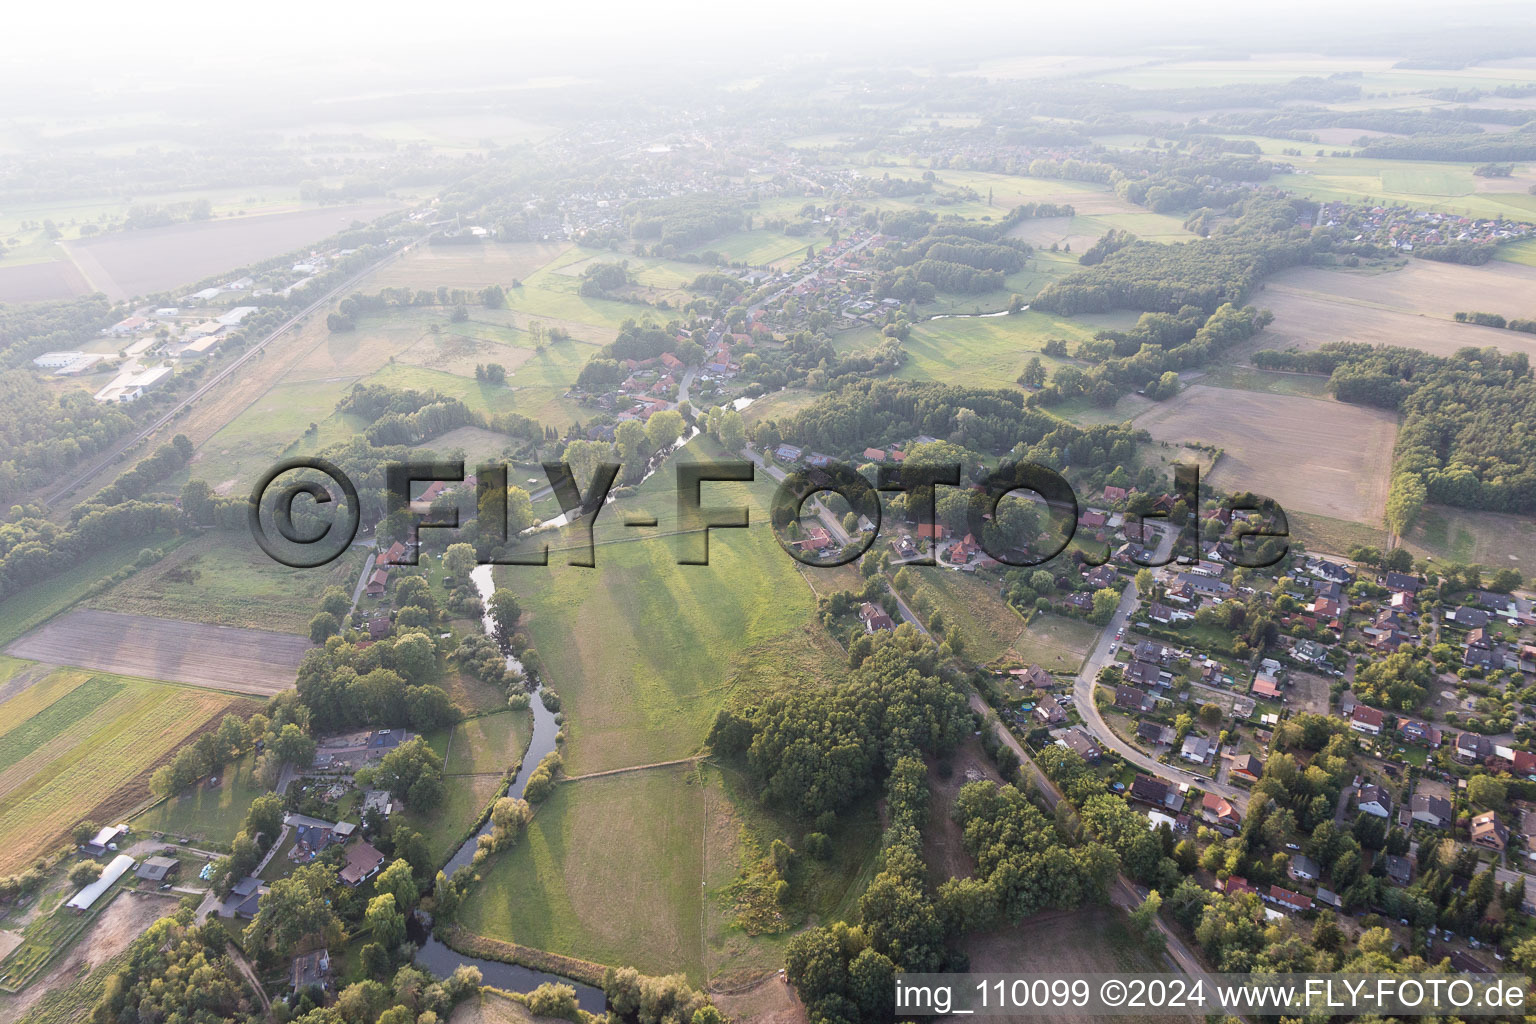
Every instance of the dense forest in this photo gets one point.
(1465, 439)
(1224, 268)
(872, 413)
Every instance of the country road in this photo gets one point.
(1122, 893)
(218, 378)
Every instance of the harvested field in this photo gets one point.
(466, 266)
(131, 263)
(81, 746)
(1411, 307)
(1308, 454)
(1091, 939)
(1461, 535)
(250, 661)
(41, 282)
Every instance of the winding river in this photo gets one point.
(434, 955)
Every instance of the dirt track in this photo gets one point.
(219, 657)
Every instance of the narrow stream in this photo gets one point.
(433, 954)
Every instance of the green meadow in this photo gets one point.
(225, 579)
(676, 849)
(207, 813)
(641, 649)
(978, 351)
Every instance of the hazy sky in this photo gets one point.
(104, 45)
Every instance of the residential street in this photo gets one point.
(1123, 893)
(1082, 690)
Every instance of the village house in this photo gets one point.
(1034, 677)
(875, 619)
(1196, 749)
(1080, 743)
(158, 869)
(1373, 799)
(1489, 832)
(1264, 686)
(1421, 733)
(1049, 711)
(363, 862)
(1366, 720)
(1399, 869)
(1472, 748)
(1433, 811)
(1155, 733)
(1294, 901)
(1303, 868)
(1128, 698)
(1143, 673)
(1155, 792)
(1246, 766)
(1236, 886)
(1216, 809)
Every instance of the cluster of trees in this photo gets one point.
(1149, 368)
(598, 279)
(412, 772)
(1023, 865)
(1463, 440)
(1224, 268)
(28, 331)
(1525, 326)
(358, 305)
(683, 221)
(387, 684)
(1513, 147)
(209, 752)
(1400, 681)
(165, 460)
(636, 998)
(33, 547)
(811, 360)
(815, 752)
(178, 971)
(44, 432)
(868, 413)
(1113, 241)
(846, 973)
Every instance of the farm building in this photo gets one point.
(105, 839)
(87, 897)
(158, 869)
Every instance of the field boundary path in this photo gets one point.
(111, 454)
(634, 768)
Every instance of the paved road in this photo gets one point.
(1122, 892)
(287, 325)
(1082, 691)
